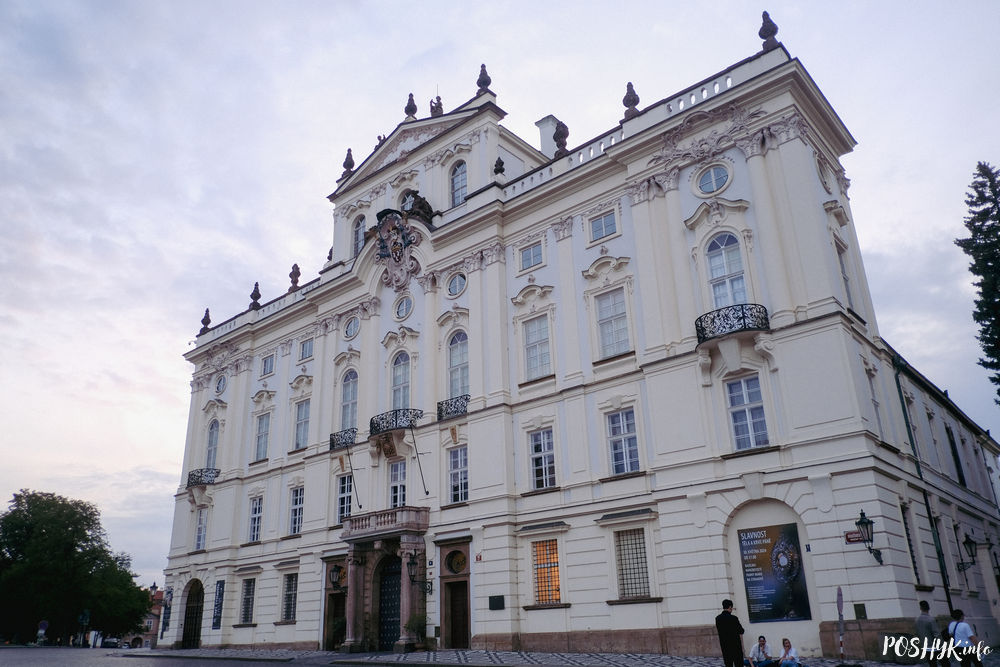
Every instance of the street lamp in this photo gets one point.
(411, 569)
(866, 528)
(970, 549)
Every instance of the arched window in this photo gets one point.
(725, 271)
(349, 400)
(458, 183)
(213, 443)
(458, 365)
(358, 235)
(401, 381)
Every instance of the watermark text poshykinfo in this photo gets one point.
(925, 649)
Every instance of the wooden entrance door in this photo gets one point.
(336, 621)
(457, 601)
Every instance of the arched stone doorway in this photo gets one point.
(193, 608)
(389, 578)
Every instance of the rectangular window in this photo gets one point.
(545, 566)
(302, 424)
(246, 601)
(602, 226)
(904, 511)
(220, 593)
(397, 484)
(633, 572)
(543, 460)
(537, 359)
(531, 256)
(955, 455)
(845, 276)
(289, 596)
(623, 443)
(458, 474)
(345, 486)
(267, 365)
(876, 406)
(306, 349)
(296, 506)
(200, 529)
(746, 412)
(256, 515)
(263, 429)
(612, 323)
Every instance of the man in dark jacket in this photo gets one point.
(730, 635)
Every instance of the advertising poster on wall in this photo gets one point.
(772, 573)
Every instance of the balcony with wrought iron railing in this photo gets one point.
(202, 476)
(342, 439)
(731, 319)
(394, 420)
(455, 406)
(386, 523)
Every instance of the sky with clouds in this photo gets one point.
(158, 158)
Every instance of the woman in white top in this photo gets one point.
(789, 656)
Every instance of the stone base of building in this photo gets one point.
(291, 646)
(690, 640)
(863, 639)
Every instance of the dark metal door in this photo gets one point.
(388, 604)
(458, 614)
(336, 621)
(192, 616)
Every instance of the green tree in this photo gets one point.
(983, 248)
(55, 562)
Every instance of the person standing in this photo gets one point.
(730, 635)
(927, 631)
(965, 638)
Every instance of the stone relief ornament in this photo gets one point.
(563, 229)
(396, 240)
(703, 148)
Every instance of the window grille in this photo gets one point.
(246, 601)
(545, 563)
(289, 596)
(633, 571)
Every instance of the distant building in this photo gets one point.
(572, 398)
(151, 623)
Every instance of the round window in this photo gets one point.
(352, 327)
(456, 284)
(220, 384)
(403, 307)
(713, 179)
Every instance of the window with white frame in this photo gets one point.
(458, 365)
(746, 412)
(458, 474)
(349, 400)
(295, 509)
(537, 359)
(401, 381)
(306, 349)
(603, 226)
(213, 443)
(545, 571)
(256, 517)
(630, 558)
(725, 271)
(612, 323)
(358, 235)
(263, 430)
(531, 256)
(301, 424)
(345, 486)
(845, 276)
(200, 529)
(267, 365)
(623, 442)
(459, 180)
(543, 459)
(289, 596)
(246, 601)
(397, 484)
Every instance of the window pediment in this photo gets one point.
(715, 211)
(301, 383)
(214, 406)
(456, 316)
(350, 356)
(399, 338)
(263, 398)
(532, 294)
(604, 265)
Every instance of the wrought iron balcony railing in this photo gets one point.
(394, 420)
(741, 317)
(453, 407)
(344, 438)
(385, 523)
(202, 476)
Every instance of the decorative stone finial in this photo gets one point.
(631, 101)
(436, 107)
(559, 136)
(205, 321)
(498, 166)
(294, 275)
(255, 297)
(410, 108)
(348, 165)
(483, 81)
(768, 30)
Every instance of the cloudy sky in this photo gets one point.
(158, 158)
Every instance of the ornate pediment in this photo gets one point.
(350, 356)
(301, 383)
(605, 265)
(715, 211)
(399, 338)
(263, 397)
(454, 316)
(532, 294)
(709, 145)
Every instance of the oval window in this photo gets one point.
(713, 179)
(403, 307)
(352, 327)
(456, 284)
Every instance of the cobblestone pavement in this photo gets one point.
(448, 658)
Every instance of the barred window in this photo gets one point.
(545, 564)
(345, 485)
(633, 572)
(290, 592)
(458, 473)
(256, 513)
(246, 601)
(295, 510)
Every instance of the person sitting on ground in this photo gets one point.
(789, 656)
(760, 654)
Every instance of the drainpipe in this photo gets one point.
(897, 365)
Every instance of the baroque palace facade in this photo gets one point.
(570, 399)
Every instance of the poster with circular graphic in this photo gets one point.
(773, 575)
